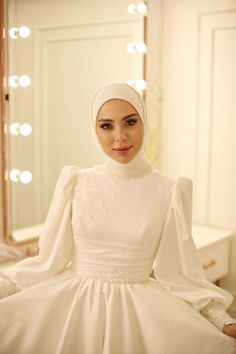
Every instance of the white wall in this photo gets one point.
(196, 75)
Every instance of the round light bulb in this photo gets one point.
(13, 81)
(141, 84)
(141, 47)
(132, 9)
(14, 128)
(24, 32)
(25, 177)
(24, 80)
(131, 47)
(25, 129)
(13, 32)
(142, 8)
(14, 175)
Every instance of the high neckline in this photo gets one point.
(137, 167)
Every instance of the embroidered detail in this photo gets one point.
(10, 292)
(114, 276)
(219, 323)
(111, 262)
(88, 194)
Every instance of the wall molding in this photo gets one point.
(91, 23)
(209, 24)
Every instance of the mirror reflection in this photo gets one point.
(60, 52)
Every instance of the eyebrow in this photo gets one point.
(126, 117)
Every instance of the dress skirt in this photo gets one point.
(70, 315)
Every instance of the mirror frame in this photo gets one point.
(5, 198)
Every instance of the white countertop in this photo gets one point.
(204, 236)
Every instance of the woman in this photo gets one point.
(89, 290)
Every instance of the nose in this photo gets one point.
(120, 134)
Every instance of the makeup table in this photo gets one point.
(214, 250)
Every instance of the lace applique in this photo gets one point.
(89, 195)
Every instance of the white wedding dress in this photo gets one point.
(89, 290)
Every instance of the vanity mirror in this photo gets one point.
(58, 53)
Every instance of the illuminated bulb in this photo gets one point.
(24, 32)
(13, 81)
(141, 84)
(25, 129)
(142, 8)
(13, 33)
(131, 47)
(141, 47)
(132, 9)
(25, 177)
(14, 175)
(14, 128)
(24, 80)
(138, 84)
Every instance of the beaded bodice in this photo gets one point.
(117, 225)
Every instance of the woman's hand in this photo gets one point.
(230, 330)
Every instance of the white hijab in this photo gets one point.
(121, 90)
(118, 90)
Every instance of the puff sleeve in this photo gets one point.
(177, 266)
(55, 242)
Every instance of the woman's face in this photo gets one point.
(119, 130)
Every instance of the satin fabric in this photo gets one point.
(89, 290)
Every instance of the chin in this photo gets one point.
(120, 159)
(123, 159)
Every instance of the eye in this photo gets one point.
(106, 126)
(131, 121)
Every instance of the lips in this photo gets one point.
(122, 148)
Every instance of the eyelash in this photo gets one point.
(105, 126)
(129, 122)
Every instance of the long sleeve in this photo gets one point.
(55, 242)
(177, 265)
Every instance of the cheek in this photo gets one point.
(104, 138)
(138, 136)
